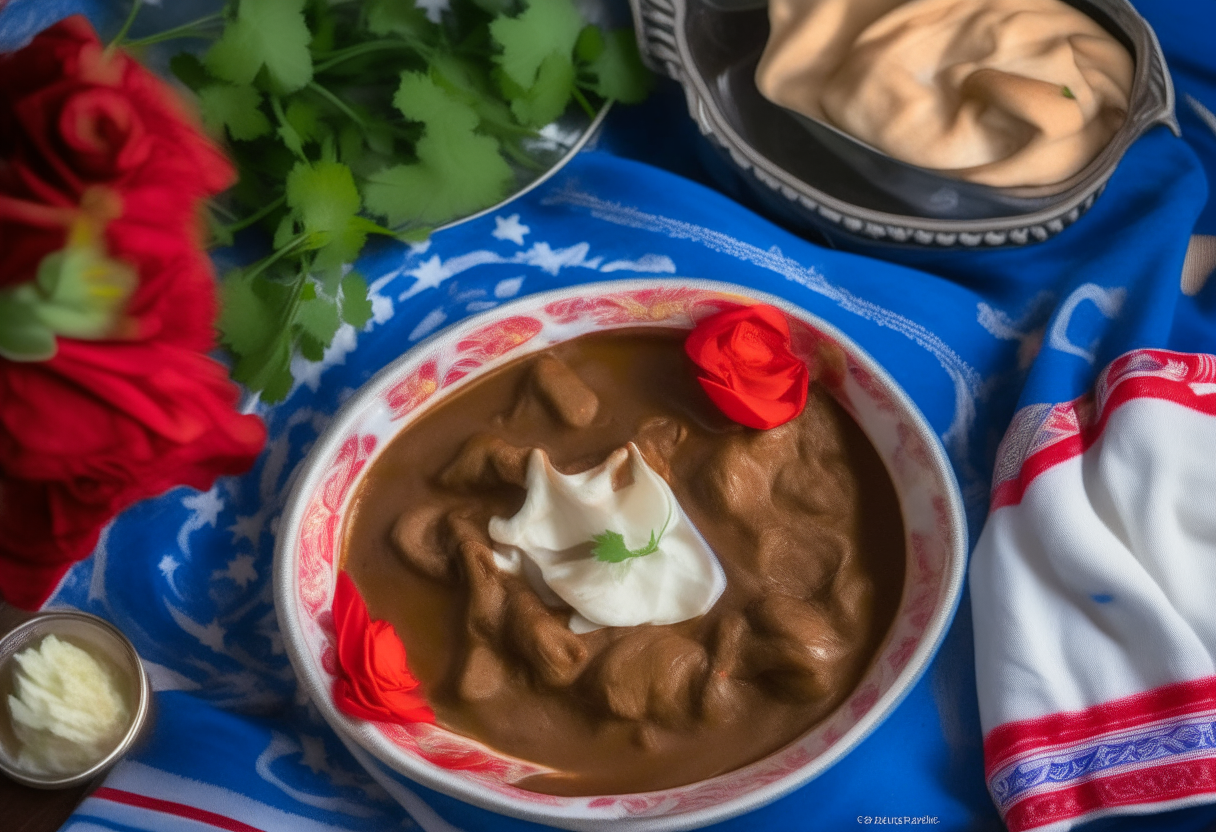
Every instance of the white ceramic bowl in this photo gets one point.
(311, 530)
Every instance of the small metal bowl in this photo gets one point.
(102, 640)
(813, 177)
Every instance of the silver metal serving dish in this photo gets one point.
(813, 177)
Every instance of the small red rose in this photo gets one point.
(375, 681)
(750, 372)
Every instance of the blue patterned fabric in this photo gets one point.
(1151, 745)
(22, 19)
(970, 336)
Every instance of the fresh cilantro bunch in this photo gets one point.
(349, 118)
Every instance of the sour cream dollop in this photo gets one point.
(1000, 92)
(562, 514)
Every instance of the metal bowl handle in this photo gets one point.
(655, 28)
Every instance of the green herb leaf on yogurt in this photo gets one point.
(610, 546)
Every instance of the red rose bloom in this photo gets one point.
(750, 372)
(76, 120)
(375, 681)
(92, 140)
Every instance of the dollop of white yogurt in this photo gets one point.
(561, 515)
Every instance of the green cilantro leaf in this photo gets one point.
(286, 132)
(318, 318)
(458, 171)
(1068, 93)
(273, 377)
(252, 325)
(311, 348)
(325, 200)
(323, 195)
(418, 98)
(221, 234)
(545, 27)
(250, 312)
(610, 546)
(265, 33)
(469, 83)
(305, 119)
(618, 69)
(326, 156)
(291, 139)
(549, 95)
(285, 231)
(236, 107)
(329, 150)
(356, 305)
(399, 17)
(190, 71)
(590, 44)
(329, 280)
(324, 24)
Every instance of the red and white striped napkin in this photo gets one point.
(1093, 587)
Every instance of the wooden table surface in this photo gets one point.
(38, 810)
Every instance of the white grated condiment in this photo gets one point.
(67, 710)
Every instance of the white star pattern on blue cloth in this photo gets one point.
(509, 229)
(240, 570)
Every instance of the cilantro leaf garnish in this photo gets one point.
(356, 306)
(458, 170)
(610, 546)
(255, 324)
(235, 107)
(324, 199)
(618, 70)
(547, 98)
(190, 71)
(388, 17)
(265, 33)
(1067, 93)
(318, 317)
(545, 27)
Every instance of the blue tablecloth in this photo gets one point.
(971, 335)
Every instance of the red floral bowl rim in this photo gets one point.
(310, 532)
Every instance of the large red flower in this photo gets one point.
(75, 119)
(375, 681)
(91, 140)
